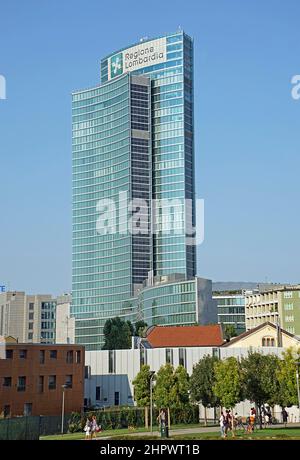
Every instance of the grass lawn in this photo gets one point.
(264, 434)
(111, 433)
(289, 433)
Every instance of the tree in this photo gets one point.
(140, 327)
(141, 385)
(180, 389)
(117, 335)
(202, 381)
(172, 388)
(131, 327)
(286, 375)
(260, 383)
(165, 381)
(228, 385)
(229, 332)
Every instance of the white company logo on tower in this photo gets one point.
(138, 56)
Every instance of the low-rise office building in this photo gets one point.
(36, 318)
(278, 305)
(231, 309)
(32, 377)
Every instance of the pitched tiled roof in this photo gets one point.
(257, 328)
(185, 336)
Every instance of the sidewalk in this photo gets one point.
(194, 430)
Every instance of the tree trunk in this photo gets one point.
(232, 423)
(146, 417)
(260, 416)
(205, 416)
(169, 419)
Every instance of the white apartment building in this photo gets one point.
(33, 318)
(278, 305)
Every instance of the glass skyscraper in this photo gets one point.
(133, 139)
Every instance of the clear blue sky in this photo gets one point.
(247, 128)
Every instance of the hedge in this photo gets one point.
(131, 416)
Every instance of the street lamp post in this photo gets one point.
(298, 389)
(63, 408)
(151, 404)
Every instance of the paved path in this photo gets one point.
(193, 430)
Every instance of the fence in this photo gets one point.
(31, 428)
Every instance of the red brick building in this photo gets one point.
(32, 378)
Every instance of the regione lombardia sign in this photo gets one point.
(137, 57)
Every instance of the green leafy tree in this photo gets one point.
(165, 381)
(117, 335)
(131, 327)
(202, 381)
(141, 385)
(286, 375)
(180, 389)
(260, 382)
(229, 332)
(172, 388)
(228, 385)
(140, 327)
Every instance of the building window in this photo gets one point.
(42, 356)
(70, 357)
(215, 352)
(289, 319)
(182, 357)
(86, 372)
(98, 393)
(23, 354)
(30, 326)
(9, 354)
(169, 356)
(6, 411)
(21, 383)
(78, 357)
(27, 409)
(117, 398)
(7, 381)
(53, 354)
(31, 316)
(69, 381)
(288, 294)
(268, 342)
(111, 361)
(41, 384)
(52, 382)
(30, 335)
(31, 306)
(143, 357)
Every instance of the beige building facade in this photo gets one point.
(279, 305)
(265, 335)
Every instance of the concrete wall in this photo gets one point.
(128, 364)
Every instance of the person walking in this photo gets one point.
(94, 427)
(228, 422)
(252, 419)
(87, 429)
(222, 421)
(284, 416)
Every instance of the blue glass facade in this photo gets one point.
(133, 138)
(172, 149)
